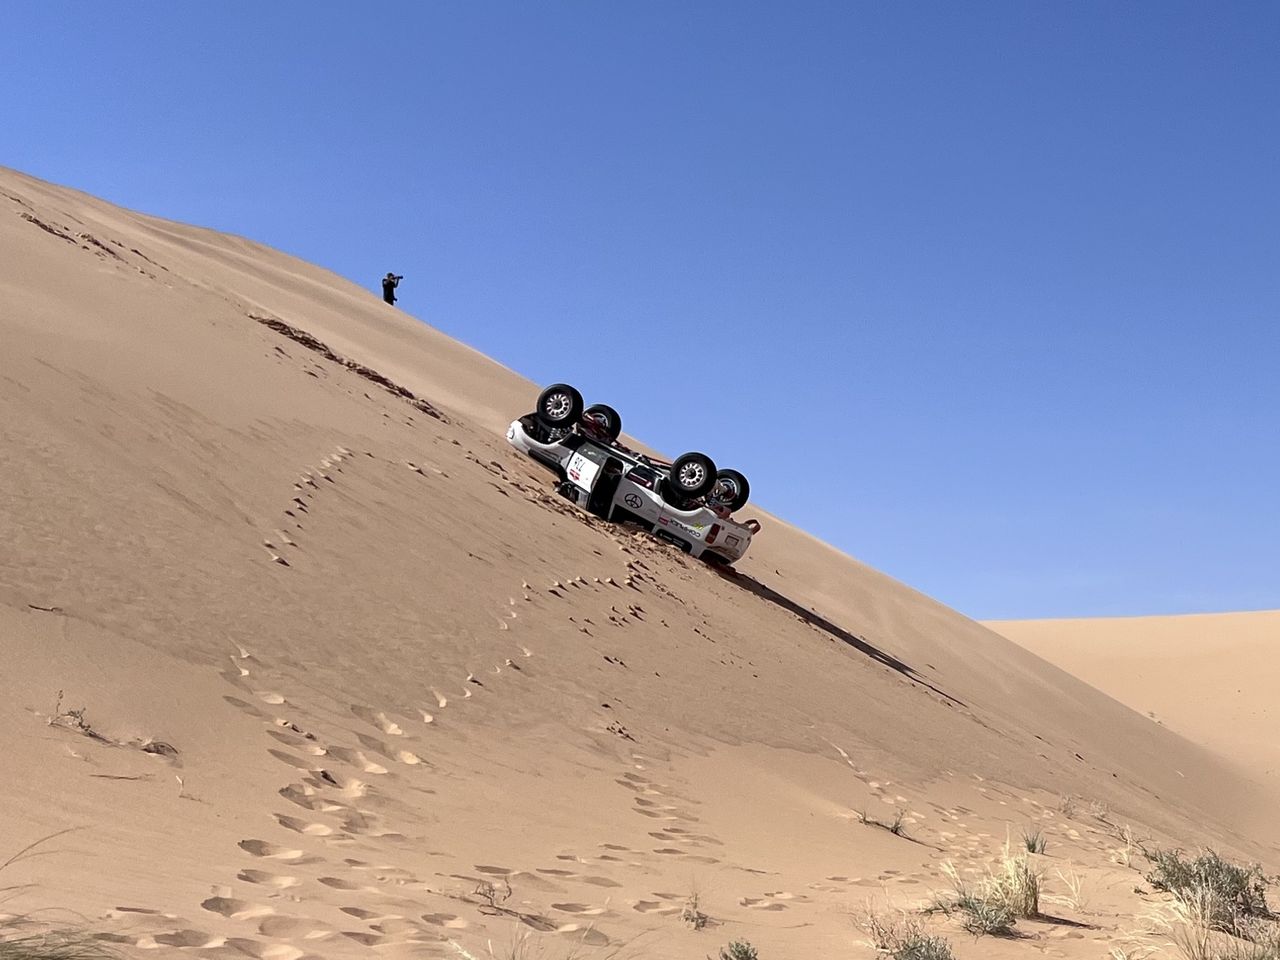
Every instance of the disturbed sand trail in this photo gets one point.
(355, 682)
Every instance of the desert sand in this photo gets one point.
(307, 662)
(1210, 677)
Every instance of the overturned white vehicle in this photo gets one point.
(687, 502)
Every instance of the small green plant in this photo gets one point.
(739, 950)
(1034, 841)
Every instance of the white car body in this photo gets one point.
(588, 468)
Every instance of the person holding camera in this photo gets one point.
(389, 284)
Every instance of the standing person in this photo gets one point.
(389, 284)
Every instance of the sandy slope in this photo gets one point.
(1210, 677)
(386, 667)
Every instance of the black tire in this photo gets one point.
(606, 419)
(559, 406)
(692, 476)
(731, 490)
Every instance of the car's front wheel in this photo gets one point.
(559, 406)
(692, 476)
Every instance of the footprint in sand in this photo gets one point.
(265, 951)
(273, 851)
(582, 909)
(264, 878)
(337, 883)
(301, 826)
(234, 909)
(269, 696)
(377, 719)
(245, 706)
(588, 935)
(288, 758)
(365, 939)
(184, 938)
(655, 906)
(287, 928)
(445, 920)
(597, 881)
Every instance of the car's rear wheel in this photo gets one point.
(731, 490)
(692, 476)
(559, 406)
(606, 419)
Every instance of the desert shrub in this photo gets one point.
(995, 903)
(901, 938)
(1034, 841)
(739, 950)
(919, 946)
(1218, 894)
(979, 912)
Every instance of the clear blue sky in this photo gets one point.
(985, 294)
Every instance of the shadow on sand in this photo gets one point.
(748, 582)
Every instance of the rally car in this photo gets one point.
(687, 502)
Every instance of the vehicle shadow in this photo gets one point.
(750, 583)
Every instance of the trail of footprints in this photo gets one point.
(335, 805)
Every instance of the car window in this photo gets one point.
(643, 476)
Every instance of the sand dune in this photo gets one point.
(1210, 677)
(354, 679)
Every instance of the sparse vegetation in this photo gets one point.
(1123, 855)
(1034, 841)
(739, 950)
(980, 914)
(1075, 897)
(896, 826)
(994, 904)
(22, 937)
(902, 938)
(1213, 892)
(691, 913)
(72, 719)
(1219, 909)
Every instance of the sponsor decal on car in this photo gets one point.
(632, 500)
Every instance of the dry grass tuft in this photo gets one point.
(22, 938)
(691, 913)
(896, 826)
(995, 903)
(1034, 841)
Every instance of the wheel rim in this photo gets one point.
(726, 491)
(557, 406)
(692, 475)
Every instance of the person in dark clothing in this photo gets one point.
(389, 284)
